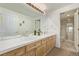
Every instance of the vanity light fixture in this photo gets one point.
(36, 8)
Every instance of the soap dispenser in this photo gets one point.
(34, 32)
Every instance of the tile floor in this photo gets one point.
(69, 45)
(61, 52)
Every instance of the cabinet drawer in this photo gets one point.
(11, 53)
(30, 46)
(20, 51)
(50, 37)
(38, 43)
(32, 52)
(43, 41)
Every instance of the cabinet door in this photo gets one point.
(48, 44)
(44, 41)
(44, 49)
(53, 42)
(20, 51)
(38, 43)
(32, 52)
(39, 51)
(30, 46)
(11, 53)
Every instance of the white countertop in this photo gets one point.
(11, 44)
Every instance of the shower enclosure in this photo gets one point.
(67, 30)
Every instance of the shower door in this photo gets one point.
(76, 32)
(69, 32)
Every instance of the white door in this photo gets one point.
(76, 32)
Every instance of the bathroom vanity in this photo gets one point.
(30, 47)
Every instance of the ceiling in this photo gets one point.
(21, 8)
(55, 6)
(27, 10)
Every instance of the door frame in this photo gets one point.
(73, 29)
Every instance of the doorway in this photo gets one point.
(67, 30)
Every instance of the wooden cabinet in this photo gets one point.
(11, 53)
(31, 52)
(53, 42)
(30, 46)
(39, 51)
(50, 43)
(20, 51)
(48, 46)
(38, 43)
(44, 49)
(16, 52)
(30, 49)
(44, 46)
(44, 41)
(38, 48)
